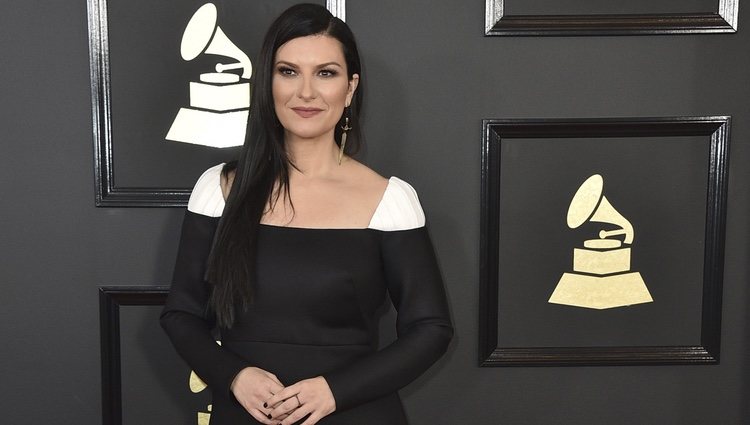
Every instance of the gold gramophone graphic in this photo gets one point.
(197, 385)
(601, 275)
(220, 101)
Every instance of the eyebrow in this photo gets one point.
(322, 65)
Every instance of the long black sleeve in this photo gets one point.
(423, 324)
(185, 315)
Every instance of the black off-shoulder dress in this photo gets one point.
(315, 313)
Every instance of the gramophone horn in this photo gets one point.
(585, 201)
(589, 204)
(202, 35)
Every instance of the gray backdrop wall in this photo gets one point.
(431, 78)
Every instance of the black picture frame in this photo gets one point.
(498, 23)
(111, 298)
(108, 193)
(495, 131)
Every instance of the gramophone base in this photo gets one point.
(601, 292)
(204, 418)
(208, 128)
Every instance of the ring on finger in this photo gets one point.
(299, 403)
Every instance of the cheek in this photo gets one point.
(337, 96)
(278, 92)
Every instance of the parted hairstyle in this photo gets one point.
(263, 161)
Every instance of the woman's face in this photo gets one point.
(311, 86)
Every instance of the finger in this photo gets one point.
(296, 415)
(282, 417)
(268, 404)
(261, 417)
(282, 395)
(285, 407)
(254, 402)
(312, 420)
(272, 406)
(254, 406)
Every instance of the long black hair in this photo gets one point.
(263, 162)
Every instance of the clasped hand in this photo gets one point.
(269, 402)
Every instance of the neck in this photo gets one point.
(313, 157)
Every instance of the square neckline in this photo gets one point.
(369, 223)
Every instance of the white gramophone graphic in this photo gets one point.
(220, 101)
(601, 275)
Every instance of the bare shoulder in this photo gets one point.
(365, 179)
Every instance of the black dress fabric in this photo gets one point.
(315, 314)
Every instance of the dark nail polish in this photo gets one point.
(265, 405)
(269, 416)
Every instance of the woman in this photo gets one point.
(291, 253)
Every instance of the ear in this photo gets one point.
(353, 83)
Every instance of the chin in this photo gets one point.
(308, 133)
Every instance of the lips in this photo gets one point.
(307, 112)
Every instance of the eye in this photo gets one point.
(327, 73)
(286, 71)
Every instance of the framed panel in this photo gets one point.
(646, 288)
(140, 370)
(139, 82)
(500, 23)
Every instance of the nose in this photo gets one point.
(306, 90)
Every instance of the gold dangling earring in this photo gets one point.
(345, 128)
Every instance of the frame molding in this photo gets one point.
(707, 352)
(497, 23)
(110, 300)
(337, 8)
(107, 193)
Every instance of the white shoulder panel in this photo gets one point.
(207, 198)
(399, 209)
